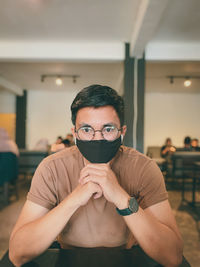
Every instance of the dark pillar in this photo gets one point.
(21, 103)
(128, 96)
(134, 84)
(140, 101)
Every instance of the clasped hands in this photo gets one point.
(97, 180)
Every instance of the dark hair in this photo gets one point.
(187, 140)
(167, 140)
(98, 96)
(66, 142)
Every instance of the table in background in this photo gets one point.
(196, 180)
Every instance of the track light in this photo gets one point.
(171, 79)
(187, 82)
(59, 81)
(59, 78)
(187, 79)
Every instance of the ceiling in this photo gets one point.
(87, 38)
(67, 20)
(180, 22)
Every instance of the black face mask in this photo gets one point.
(98, 151)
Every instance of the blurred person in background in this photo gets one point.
(66, 142)
(59, 140)
(187, 143)
(58, 145)
(70, 137)
(168, 149)
(195, 144)
(9, 154)
(166, 152)
(42, 145)
(6, 144)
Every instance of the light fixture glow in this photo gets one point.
(187, 82)
(59, 81)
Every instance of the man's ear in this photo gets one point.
(73, 132)
(124, 128)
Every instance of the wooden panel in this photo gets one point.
(8, 121)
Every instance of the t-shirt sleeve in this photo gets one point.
(43, 187)
(151, 186)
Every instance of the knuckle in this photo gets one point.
(89, 185)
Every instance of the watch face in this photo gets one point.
(132, 208)
(133, 205)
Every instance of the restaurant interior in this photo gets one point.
(148, 51)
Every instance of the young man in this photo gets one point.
(97, 193)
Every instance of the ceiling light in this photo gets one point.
(59, 77)
(59, 81)
(187, 79)
(187, 82)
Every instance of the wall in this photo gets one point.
(172, 115)
(48, 115)
(7, 112)
(7, 102)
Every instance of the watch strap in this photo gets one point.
(132, 208)
(124, 212)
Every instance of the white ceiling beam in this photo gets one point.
(147, 21)
(160, 51)
(54, 51)
(7, 85)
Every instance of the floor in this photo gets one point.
(188, 220)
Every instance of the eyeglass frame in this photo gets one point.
(76, 131)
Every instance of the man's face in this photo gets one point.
(97, 118)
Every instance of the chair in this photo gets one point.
(29, 160)
(8, 173)
(183, 167)
(154, 153)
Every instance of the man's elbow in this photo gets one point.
(17, 260)
(176, 259)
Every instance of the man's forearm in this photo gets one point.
(35, 237)
(156, 239)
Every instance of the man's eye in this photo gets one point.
(109, 129)
(86, 129)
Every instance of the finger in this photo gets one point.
(91, 172)
(98, 194)
(84, 173)
(95, 179)
(101, 166)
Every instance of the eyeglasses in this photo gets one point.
(108, 132)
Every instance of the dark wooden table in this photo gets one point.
(91, 257)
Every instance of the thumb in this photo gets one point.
(98, 194)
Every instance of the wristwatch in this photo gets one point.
(132, 207)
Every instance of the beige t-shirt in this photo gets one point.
(97, 224)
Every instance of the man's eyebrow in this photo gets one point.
(84, 125)
(110, 124)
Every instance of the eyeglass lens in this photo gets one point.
(108, 132)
